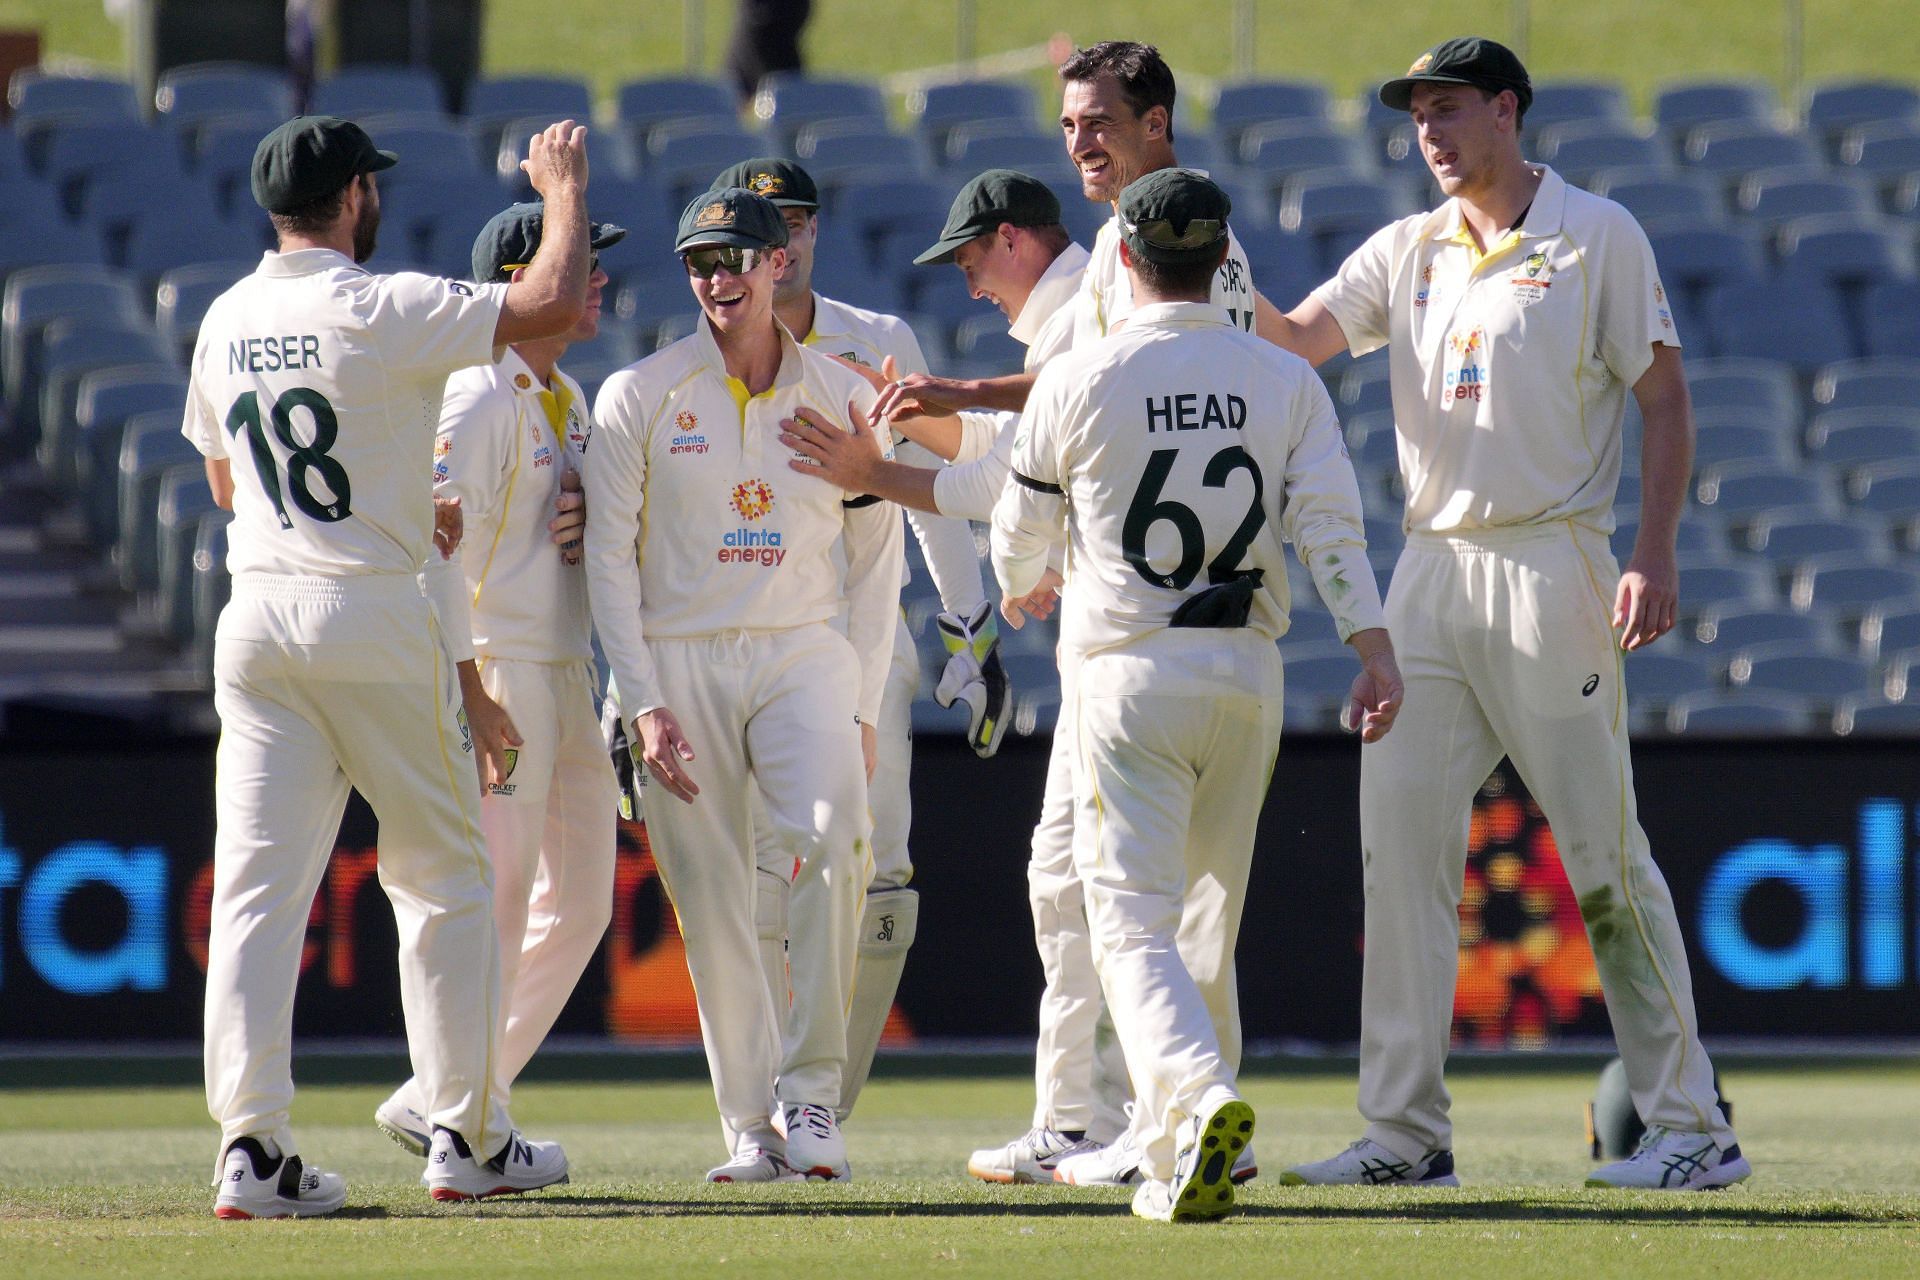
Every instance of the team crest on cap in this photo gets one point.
(522, 381)
(767, 184)
(713, 215)
(1420, 64)
(753, 499)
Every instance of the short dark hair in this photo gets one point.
(1174, 280)
(311, 218)
(1144, 78)
(1519, 106)
(1053, 236)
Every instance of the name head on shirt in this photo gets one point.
(271, 355)
(1195, 411)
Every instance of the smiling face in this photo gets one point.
(589, 324)
(737, 303)
(1109, 145)
(795, 280)
(989, 265)
(1464, 134)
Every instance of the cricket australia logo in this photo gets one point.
(752, 500)
(687, 437)
(1533, 279)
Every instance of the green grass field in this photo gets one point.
(97, 1182)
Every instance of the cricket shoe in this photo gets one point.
(1367, 1163)
(1117, 1164)
(1028, 1158)
(815, 1148)
(254, 1184)
(454, 1174)
(1674, 1160)
(407, 1127)
(1202, 1185)
(756, 1164)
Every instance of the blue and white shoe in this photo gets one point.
(1674, 1160)
(1367, 1163)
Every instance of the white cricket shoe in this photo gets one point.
(1202, 1185)
(454, 1174)
(1367, 1163)
(407, 1127)
(254, 1184)
(1675, 1160)
(1029, 1158)
(756, 1164)
(1117, 1164)
(815, 1148)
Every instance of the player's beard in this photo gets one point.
(366, 231)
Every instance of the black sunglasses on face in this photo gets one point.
(1159, 232)
(705, 261)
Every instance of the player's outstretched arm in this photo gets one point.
(1309, 330)
(852, 460)
(551, 295)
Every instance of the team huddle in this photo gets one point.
(726, 519)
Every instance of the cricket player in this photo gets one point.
(714, 583)
(889, 922)
(330, 668)
(1175, 454)
(1517, 316)
(1003, 232)
(508, 452)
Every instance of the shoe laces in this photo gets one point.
(816, 1119)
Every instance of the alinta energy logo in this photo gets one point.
(752, 500)
(1466, 373)
(687, 437)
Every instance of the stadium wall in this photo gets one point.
(1793, 864)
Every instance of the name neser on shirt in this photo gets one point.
(271, 355)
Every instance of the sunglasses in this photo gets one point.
(704, 262)
(1159, 232)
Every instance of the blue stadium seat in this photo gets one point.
(73, 347)
(182, 498)
(1398, 152)
(875, 212)
(184, 532)
(1705, 257)
(369, 89)
(639, 206)
(646, 102)
(1700, 534)
(1579, 150)
(1783, 666)
(1376, 117)
(830, 145)
(1781, 194)
(1891, 489)
(1745, 714)
(1731, 628)
(1789, 534)
(150, 445)
(37, 296)
(1874, 716)
(185, 293)
(1363, 391)
(1660, 193)
(984, 339)
(1682, 107)
(1730, 435)
(1317, 201)
(1885, 151)
(939, 107)
(1715, 581)
(1892, 319)
(788, 101)
(178, 235)
(1834, 108)
(1843, 249)
(223, 158)
(974, 147)
(190, 95)
(432, 149)
(1864, 437)
(34, 94)
(39, 238)
(410, 215)
(494, 100)
(1738, 489)
(684, 157)
(1841, 582)
(108, 400)
(1763, 389)
(1876, 382)
(1806, 326)
(76, 153)
(1657, 678)
(1890, 629)
(1731, 150)
(1285, 267)
(608, 151)
(1278, 150)
(1562, 102)
(212, 586)
(1254, 102)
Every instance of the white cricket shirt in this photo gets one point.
(1510, 371)
(499, 453)
(696, 525)
(1176, 454)
(1106, 292)
(322, 382)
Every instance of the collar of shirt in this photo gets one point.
(1054, 289)
(306, 262)
(1169, 314)
(1544, 217)
(830, 320)
(789, 374)
(555, 397)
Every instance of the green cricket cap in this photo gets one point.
(1475, 60)
(512, 236)
(309, 157)
(781, 181)
(996, 196)
(731, 216)
(1174, 216)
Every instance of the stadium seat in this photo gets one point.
(1891, 319)
(939, 107)
(1656, 678)
(1706, 256)
(183, 497)
(1890, 629)
(1672, 196)
(1365, 391)
(608, 151)
(1743, 714)
(1763, 389)
(108, 400)
(1876, 382)
(1730, 436)
(494, 100)
(683, 157)
(1832, 109)
(1715, 581)
(645, 103)
(1735, 490)
(1875, 717)
(984, 339)
(1564, 102)
(1728, 629)
(1699, 534)
(77, 152)
(150, 446)
(37, 239)
(212, 586)
(1782, 666)
(1730, 150)
(171, 236)
(1255, 102)
(1778, 195)
(433, 149)
(185, 293)
(830, 145)
(1277, 150)
(370, 89)
(1807, 327)
(1864, 437)
(189, 95)
(1845, 250)
(1884, 152)
(788, 101)
(184, 530)
(410, 215)
(33, 94)
(1683, 107)
(1890, 489)
(74, 347)
(37, 296)
(1842, 583)
(1580, 149)
(986, 145)
(1786, 534)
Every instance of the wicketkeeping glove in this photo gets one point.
(974, 675)
(627, 770)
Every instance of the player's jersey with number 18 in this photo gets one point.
(322, 383)
(1106, 294)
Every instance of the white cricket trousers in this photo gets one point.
(773, 709)
(1175, 739)
(322, 684)
(550, 834)
(1506, 642)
